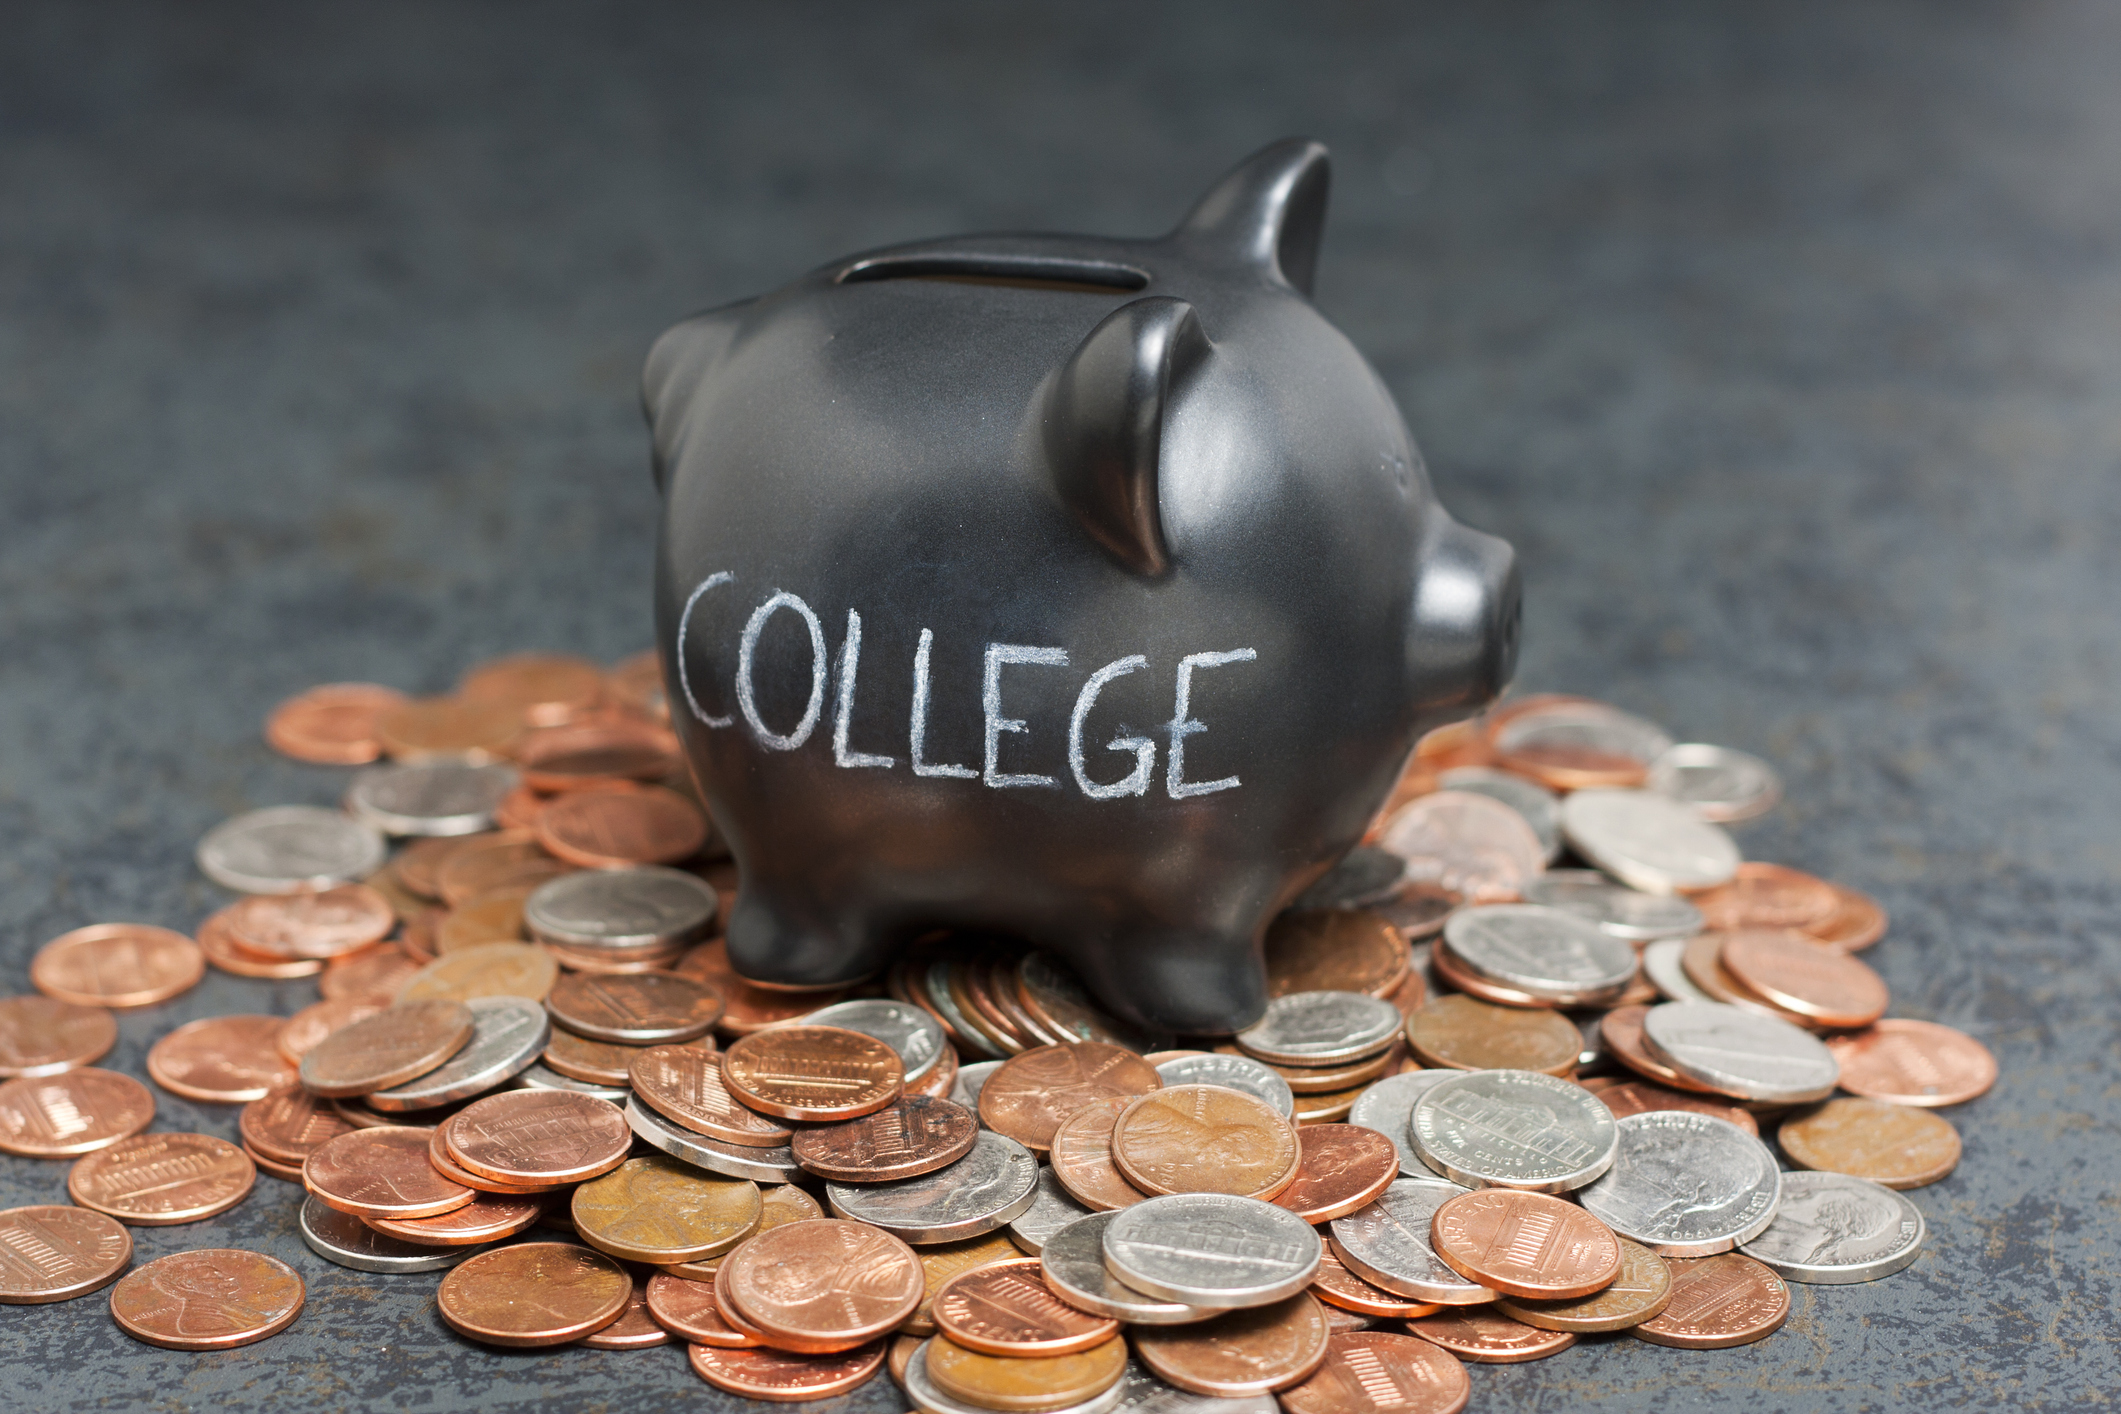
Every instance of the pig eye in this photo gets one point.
(1085, 277)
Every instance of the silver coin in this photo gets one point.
(1685, 1184)
(1388, 1108)
(1514, 1129)
(760, 1165)
(346, 1240)
(924, 1395)
(1542, 952)
(1051, 1210)
(1143, 1393)
(987, 1189)
(914, 1034)
(1212, 1249)
(1321, 1028)
(430, 797)
(1387, 1244)
(1540, 807)
(1723, 785)
(1834, 1229)
(1232, 1073)
(1739, 1053)
(1660, 963)
(508, 1034)
(1615, 908)
(641, 910)
(1648, 841)
(539, 1076)
(1584, 726)
(965, 1090)
(290, 847)
(1073, 1262)
(1364, 876)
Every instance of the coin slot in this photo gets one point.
(1085, 277)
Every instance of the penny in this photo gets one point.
(604, 1062)
(1072, 1260)
(51, 1252)
(1634, 1097)
(648, 1008)
(1005, 1382)
(393, 1046)
(495, 970)
(221, 1059)
(1212, 1249)
(1389, 1244)
(539, 1136)
(1525, 1244)
(1894, 1145)
(218, 942)
(635, 1329)
(622, 910)
(1204, 1139)
(507, 1035)
(686, 1309)
(1739, 1054)
(928, 976)
(289, 847)
(1321, 1028)
(504, 859)
(1326, 1109)
(489, 1217)
(438, 1156)
(1052, 1208)
(823, 1286)
(382, 1173)
(1514, 1129)
(1555, 957)
(1487, 1337)
(1621, 1031)
(782, 1377)
(1371, 1372)
(1913, 1063)
(311, 924)
(1702, 961)
(1540, 807)
(1055, 997)
(1648, 841)
(209, 1300)
(909, 1136)
(344, 1239)
(1662, 963)
(1857, 921)
(159, 1180)
(416, 867)
(447, 728)
(1792, 971)
(635, 684)
(1472, 845)
(940, 1262)
(1081, 1153)
(1241, 1352)
(685, 1085)
(748, 1008)
(288, 1124)
(594, 753)
(1448, 970)
(1232, 1072)
(331, 725)
(544, 689)
(658, 1210)
(611, 829)
(913, 1033)
(1029, 1095)
(1342, 1167)
(1005, 1308)
(1461, 1033)
(976, 984)
(1762, 895)
(44, 1036)
(372, 976)
(1337, 1285)
(1638, 1294)
(1615, 908)
(1718, 1302)
(299, 1034)
(1388, 1108)
(812, 1072)
(1686, 1185)
(1721, 784)
(496, 917)
(985, 1190)
(1334, 950)
(759, 1163)
(117, 965)
(74, 1112)
(534, 1294)
(1834, 1229)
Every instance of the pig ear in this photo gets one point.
(1270, 210)
(1103, 424)
(676, 364)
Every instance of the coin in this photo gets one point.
(748, 1008)
(1525, 1244)
(289, 847)
(1321, 1028)
(1471, 845)
(759, 1163)
(74, 1112)
(1052, 1208)
(1343, 1167)
(1621, 1032)
(685, 1085)
(311, 923)
(910, 1136)
(382, 1173)
(1737, 1053)
(299, 1034)
(648, 1008)
(1241, 1352)
(1718, 1302)
(1005, 1308)
(612, 829)
(503, 859)
(1686, 1185)
(344, 1239)
(1662, 964)
(489, 1217)
(1072, 1260)
(782, 1377)
(1487, 1337)
(1540, 807)
(1337, 1285)
(117, 965)
(1834, 1229)
(1371, 1372)
(494, 970)
(686, 1309)
(44, 1036)
(658, 1210)
(1762, 895)
(1461, 1033)
(331, 725)
(1648, 841)
(539, 1136)
(1795, 973)
(440, 1158)
(544, 689)
(601, 1062)
(594, 753)
(1638, 1294)
(217, 941)
(1514, 1129)
(812, 1072)
(979, 1193)
(430, 798)
(159, 1180)
(221, 1059)
(1204, 1139)
(1857, 921)
(1006, 1382)
(448, 728)
(1615, 908)
(288, 1124)
(1913, 1063)
(942, 1261)
(374, 975)
(823, 1286)
(1895, 1145)
(635, 1329)
(1389, 1244)
(507, 1035)
(395, 1045)
(209, 1300)
(1055, 998)
(534, 1294)
(495, 917)
(1444, 965)
(1211, 1249)
(1232, 1072)
(1334, 950)
(1029, 1095)
(1082, 1157)
(1388, 1108)
(915, 1035)
(538, 1077)
(1634, 1097)
(622, 910)
(51, 1252)
(1556, 958)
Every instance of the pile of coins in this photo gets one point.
(1493, 1105)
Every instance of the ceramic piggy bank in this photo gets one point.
(1085, 591)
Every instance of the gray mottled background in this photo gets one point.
(1784, 340)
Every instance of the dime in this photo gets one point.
(1241, 1352)
(225, 1060)
(1082, 1157)
(641, 1009)
(382, 1173)
(484, 863)
(1487, 1337)
(1388, 1108)
(1890, 1144)
(913, 1033)
(940, 1262)
(612, 829)
(1525, 1244)
(685, 1085)
(1857, 921)
(1005, 1382)
(429, 797)
(290, 847)
(1540, 807)
(1343, 1167)
(1638, 1294)
(160, 1180)
(658, 1210)
(344, 1239)
(1737, 1053)
(542, 689)
(1072, 1261)
(1834, 1229)
(812, 1072)
(1661, 963)
(635, 1329)
(539, 1136)
(1029, 1095)
(1205, 1139)
(781, 1377)
(1558, 959)
(686, 1309)
(288, 1125)
(1389, 1244)
(1514, 1129)
(1913, 1063)
(44, 1036)
(1371, 1372)
(981, 1192)
(1461, 1033)
(74, 1112)
(1052, 1208)
(1338, 1286)
(1718, 1302)
(506, 1037)
(1721, 784)
(761, 1164)
(494, 970)
(823, 1286)
(1686, 1185)
(1231, 1072)
(395, 1045)
(1334, 950)
(534, 1293)
(1212, 1249)
(1615, 909)
(622, 910)
(1005, 1308)
(909, 1136)
(1055, 998)
(489, 1217)
(1818, 982)
(117, 965)
(210, 1300)
(331, 725)
(50, 1252)
(1471, 845)
(1321, 1028)
(1635, 1097)
(372, 976)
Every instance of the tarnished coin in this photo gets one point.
(1006, 1308)
(910, 1136)
(1338, 1286)
(1212, 1249)
(1241, 1352)
(1029, 1095)
(913, 1033)
(1082, 1157)
(1321, 1028)
(1916, 1063)
(1253, 1077)
(759, 1163)
(1615, 908)
(382, 1173)
(781, 1377)
(1372, 1372)
(1334, 950)
(658, 1210)
(215, 1299)
(160, 1180)
(637, 1009)
(1514, 1129)
(397, 1044)
(1388, 1107)
(345, 1240)
(644, 909)
(490, 970)
(1721, 784)
(686, 1309)
(1718, 1302)
(1834, 1229)
(812, 1072)
(1024, 1383)
(50, 1252)
(1738, 1053)
(1462, 1033)
(1472, 845)
(1635, 1097)
(539, 1136)
(507, 1035)
(1821, 983)
(1648, 841)
(1889, 1144)
(485, 1219)
(599, 1062)
(685, 1085)
(44, 1036)
(1555, 957)
(984, 1191)
(1205, 1139)
(1052, 1208)
(227, 1060)
(1686, 1185)
(1342, 1167)
(613, 829)
(534, 1294)
(289, 847)
(1073, 1263)
(1540, 807)
(1389, 1244)
(74, 1112)
(430, 797)
(490, 918)
(942, 1261)
(823, 1286)
(1525, 1244)
(117, 965)
(288, 1124)
(1638, 1294)
(1485, 1336)
(331, 725)
(1662, 963)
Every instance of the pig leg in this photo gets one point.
(1185, 981)
(782, 935)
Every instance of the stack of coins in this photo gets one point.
(1544, 1057)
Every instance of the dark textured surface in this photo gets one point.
(1781, 339)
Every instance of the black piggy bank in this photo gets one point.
(1086, 591)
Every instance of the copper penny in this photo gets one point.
(273, 1168)
(1720, 1301)
(228, 1060)
(911, 1135)
(1081, 1152)
(1337, 1286)
(447, 728)
(1767, 896)
(1896, 1145)
(307, 1027)
(501, 860)
(1857, 922)
(1006, 1308)
(1487, 1337)
(438, 1155)
(686, 1309)
(647, 1008)
(41, 1035)
(417, 866)
(1621, 1030)
(74, 1112)
(1634, 1097)
(601, 1062)
(1239, 1353)
(215, 1299)
(50, 1252)
(1702, 961)
(1334, 950)
(635, 1329)
(1326, 1109)
(492, 970)
(331, 725)
(1330, 1079)
(658, 1210)
(218, 942)
(611, 829)
(495, 917)
(747, 1008)
(117, 965)
(1525, 1244)
(812, 1072)
(1469, 844)
(534, 1294)
(942, 1261)
(1913, 1063)
(539, 1136)
(588, 753)
(782, 1377)
(545, 689)
(1342, 1167)
(726, 1304)
(313, 924)
(372, 976)
(289, 1124)
(159, 1180)
(1641, 1291)
(684, 1085)
(397, 1044)
(1818, 982)
(488, 1217)
(1205, 1139)
(1464, 1033)
(1029, 1095)
(1039, 1382)
(939, 1081)
(635, 683)
(382, 1173)
(1373, 1372)
(825, 1285)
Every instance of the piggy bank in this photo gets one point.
(1083, 591)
